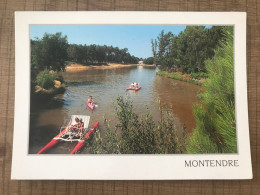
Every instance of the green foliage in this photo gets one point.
(53, 52)
(215, 130)
(178, 76)
(45, 79)
(149, 60)
(96, 54)
(188, 51)
(49, 52)
(198, 75)
(136, 135)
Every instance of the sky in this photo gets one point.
(137, 38)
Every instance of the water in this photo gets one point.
(105, 85)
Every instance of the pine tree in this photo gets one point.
(215, 130)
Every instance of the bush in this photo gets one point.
(136, 135)
(199, 75)
(162, 73)
(45, 79)
(178, 76)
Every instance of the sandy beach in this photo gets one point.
(80, 67)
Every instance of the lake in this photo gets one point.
(158, 94)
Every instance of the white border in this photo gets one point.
(124, 167)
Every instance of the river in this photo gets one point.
(105, 85)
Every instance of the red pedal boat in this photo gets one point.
(52, 143)
(72, 133)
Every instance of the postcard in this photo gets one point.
(130, 96)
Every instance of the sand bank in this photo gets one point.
(80, 67)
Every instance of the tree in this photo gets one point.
(154, 50)
(149, 60)
(187, 51)
(215, 130)
(49, 52)
(164, 48)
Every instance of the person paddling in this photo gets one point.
(132, 85)
(90, 100)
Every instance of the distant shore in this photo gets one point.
(79, 67)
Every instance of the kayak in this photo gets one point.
(82, 142)
(92, 106)
(52, 143)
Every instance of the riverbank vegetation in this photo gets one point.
(48, 56)
(149, 61)
(187, 51)
(195, 79)
(52, 53)
(134, 134)
(215, 130)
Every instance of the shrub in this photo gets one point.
(199, 75)
(179, 76)
(45, 79)
(136, 135)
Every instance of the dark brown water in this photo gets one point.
(105, 86)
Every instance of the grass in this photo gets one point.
(179, 76)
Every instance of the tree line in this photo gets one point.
(188, 51)
(94, 54)
(52, 52)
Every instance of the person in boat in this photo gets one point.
(80, 127)
(76, 127)
(136, 85)
(132, 85)
(90, 100)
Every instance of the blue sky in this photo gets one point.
(137, 38)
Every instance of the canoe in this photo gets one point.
(82, 142)
(91, 106)
(52, 143)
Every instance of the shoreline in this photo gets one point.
(181, 77)
(80, 67)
